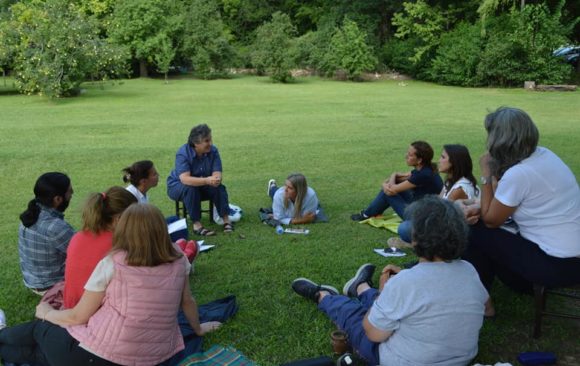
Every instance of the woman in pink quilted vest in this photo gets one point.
(128, 312)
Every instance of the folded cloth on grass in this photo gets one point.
(217, 356)
(219, 310)
(390, 222)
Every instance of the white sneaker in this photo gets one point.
(271, 182)
(2, 319)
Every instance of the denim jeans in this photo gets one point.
(192, 197)
(383, 201)
(404, 230)
(348, 314)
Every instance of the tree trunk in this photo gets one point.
(522, 4)
(143, 69)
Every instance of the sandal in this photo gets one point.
(228, 227)
(203, 232)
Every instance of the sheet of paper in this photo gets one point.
(176, 226)
(390, 252)
(204, 247)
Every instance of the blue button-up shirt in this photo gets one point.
(186, 160)
(42, 249)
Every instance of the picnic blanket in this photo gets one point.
(217, 356)
(390, 222)
(218, 310)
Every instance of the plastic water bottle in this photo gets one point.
(279, 230)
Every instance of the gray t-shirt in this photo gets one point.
(435, 310)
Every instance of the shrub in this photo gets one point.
(458, 56)
(519, 47)
(349, 51)
(274, 42)
(57, 48)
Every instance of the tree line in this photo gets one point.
(51, 46)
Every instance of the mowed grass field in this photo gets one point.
(345, 137)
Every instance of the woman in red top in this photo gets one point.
(87, 247)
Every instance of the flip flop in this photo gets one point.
(228, 228)
(203, 232)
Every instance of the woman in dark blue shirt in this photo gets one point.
(400, 189)
(197, 176)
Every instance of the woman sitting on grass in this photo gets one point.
(142, 176)
(295, 203)
(87, 247)
(429, 314)
(455, 162)
(534, 187)
(403, 188)
(118, 320)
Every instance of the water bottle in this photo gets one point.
(279, 230)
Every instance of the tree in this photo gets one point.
(206, 40)
(422, 22)
(56, 48)
(273, 47)
(350, 52)
(164, 56)
(143, 26)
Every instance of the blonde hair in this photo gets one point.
(298, 181)
(142, 234)
(100, 209)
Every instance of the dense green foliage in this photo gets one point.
(346, 139)
(273, 47)
(434, 40)
(54, 47)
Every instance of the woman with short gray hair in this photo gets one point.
(197, 176)
(534, 187)
(435, 307)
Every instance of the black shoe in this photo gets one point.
(364, 274)
(310, 290)
(359, 216)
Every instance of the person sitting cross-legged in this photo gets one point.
(429, 314)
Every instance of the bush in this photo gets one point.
(57, 48)
(458, 56)
(349, 51)
(519, 47)
(206, 40)
(274, 42)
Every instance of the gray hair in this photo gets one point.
(438, 228)
(512, 136)
(198, 133)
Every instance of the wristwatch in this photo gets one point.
(485, 180)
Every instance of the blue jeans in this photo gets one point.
(382, 201)
(348, 315)
(192, 197)
(272, 191)
(404, 231)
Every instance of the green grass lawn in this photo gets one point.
(345, 137)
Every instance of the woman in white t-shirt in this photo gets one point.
(459, 183)
(532, 185)
(141, 177)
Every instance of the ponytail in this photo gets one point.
(47, 186)
(137, 171)
(100, 209)
(30, 216)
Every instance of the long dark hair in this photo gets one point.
(461, 166)
(424, 151)
(137, 171)
(48, 186)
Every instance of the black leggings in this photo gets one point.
(516, 261)
(43, 343)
